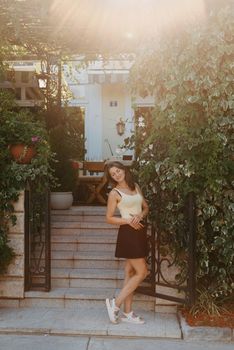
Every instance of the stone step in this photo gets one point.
(83, 283)
(101, 239)
(87, 264)
(81, 210)
(82, 279)
(78, 297)
(77, 273)
(78, 218)
(93, 247)
(84, 225)
(92, 214)
(70, 255)
(77, 231)
(83, 238)
(77, 247)
(86, 230)
(82, 247)
(80, 241)
(87, 278)
(106, 255)
(98, 259)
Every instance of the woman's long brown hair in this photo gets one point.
(128, 175)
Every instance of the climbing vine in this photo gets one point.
(185, 144)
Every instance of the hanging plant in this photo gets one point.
(21, 153)
(19, 126)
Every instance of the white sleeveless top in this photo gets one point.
(130, 204)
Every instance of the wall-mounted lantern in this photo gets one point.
(120, 126)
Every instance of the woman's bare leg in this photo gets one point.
(140, 267)
(128, 273)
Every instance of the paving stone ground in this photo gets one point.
(48, 342)
(84, 321)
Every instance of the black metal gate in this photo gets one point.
(37, 238)
(157, 283)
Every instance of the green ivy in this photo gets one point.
(186, 143)
(13, 176)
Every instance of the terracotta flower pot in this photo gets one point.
(75, 165)
(127, 157)
(22, 154)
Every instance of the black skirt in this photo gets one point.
(131, 243)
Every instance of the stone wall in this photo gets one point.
(12, 283)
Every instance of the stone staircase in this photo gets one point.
(84, 273)
(84, 269)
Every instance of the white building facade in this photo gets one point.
(102, 90)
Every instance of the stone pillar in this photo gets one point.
(12, 283)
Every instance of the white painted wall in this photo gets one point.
(93, 123)
(100, 117)
(111, 115)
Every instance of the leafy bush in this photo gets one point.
(187, 142)
(13, 176)
(64, 173)
(66, 140)
(21, 127)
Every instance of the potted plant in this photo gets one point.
(25, 136)
(62, 192)
(22, 153)
(67, 143)
(62, 144)
(19, 127)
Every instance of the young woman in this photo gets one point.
(132, 238)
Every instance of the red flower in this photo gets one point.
(75, 164)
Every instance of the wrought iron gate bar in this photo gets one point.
(26, 239)
(37, 239)
(48, 244)
(170, 298)
(155, 259)
(192, 248)
(182, 288)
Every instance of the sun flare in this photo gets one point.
(110, 19)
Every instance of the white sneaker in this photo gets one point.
(113, 310)
(132, 318)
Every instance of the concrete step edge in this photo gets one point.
(81, 273)
(93, 293)
(82, 224)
